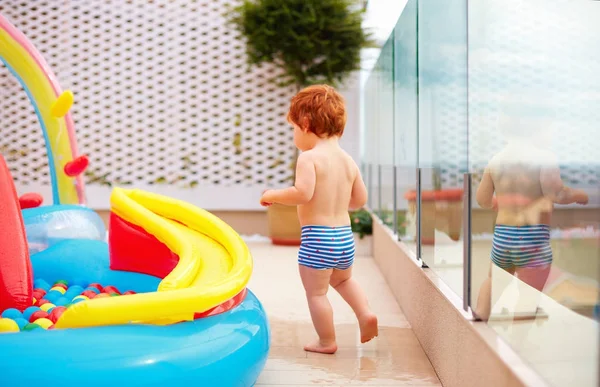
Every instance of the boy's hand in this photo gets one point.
(267, 198)
(583, 198)
(495, 203)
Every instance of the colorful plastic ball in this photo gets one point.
(33, 301)
(21, 322)
(111, 289)
(59, 289)
(102, 295)
(75, 289)
(56, 313)
(62, 301)
(8, 325)
(89, 294)
(41, 284)
(12, 313)
(95, 285)
(46, 306)
(61, 286)
(29, 311)
(41, 302)
(93, 289)
(39, 314)
(31, 326)
(62, 282)
(39, 293)
(53, 295)
(129, 292)
(43, 322)
(77, 300)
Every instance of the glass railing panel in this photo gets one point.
(442, 68)
(534, 92)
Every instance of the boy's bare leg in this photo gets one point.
(316, 284)
(352, 293)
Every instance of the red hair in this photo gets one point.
(319, 108)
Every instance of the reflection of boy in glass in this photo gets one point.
(526, 180)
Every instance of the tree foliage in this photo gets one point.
(312, 41)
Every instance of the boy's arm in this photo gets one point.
(303, 189)
(485, 191)
(554, 188)
(358, 198)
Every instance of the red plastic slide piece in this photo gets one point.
(16, 279)
(30, 200)
(224, 307)
(133, 249)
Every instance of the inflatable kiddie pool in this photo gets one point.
(163, 300)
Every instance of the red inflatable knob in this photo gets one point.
(30, 200)
(77, 166)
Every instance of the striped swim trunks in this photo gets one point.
(324, 247)
(521, 246)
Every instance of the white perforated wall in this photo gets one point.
(164, 101)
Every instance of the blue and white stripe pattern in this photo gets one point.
(521, 246)
(326, 247)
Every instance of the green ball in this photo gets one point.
(30, 327)
(62, 282)
(114, 294)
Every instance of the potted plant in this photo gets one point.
(362, 227)
(441, 209)
(310, 41)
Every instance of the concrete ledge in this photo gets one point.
(463, 352)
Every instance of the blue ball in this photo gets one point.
(62, 301)
(93, 289)
(53, 295)
(21, 322)
(75, 290)
(41, 284)
(29, 311)
(12, 313)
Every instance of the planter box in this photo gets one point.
(440, 210)
(284, 226)
(364, 246)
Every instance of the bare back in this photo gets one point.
(517, 177)
(335, 175)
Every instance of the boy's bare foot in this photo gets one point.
(368, 327)
(320, 348)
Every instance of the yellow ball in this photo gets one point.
(8, 325)
(47, 306)
(34, 300)
(58, 289)
(43, 322)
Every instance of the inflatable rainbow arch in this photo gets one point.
(187, 316)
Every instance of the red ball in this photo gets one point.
(38, 314)
(89, 294)
(111, 289)
(41, 302)
(97, 286)
(39, 291)
(59, 285)
(56, 313)
(129, 292)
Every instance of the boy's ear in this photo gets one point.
(305, 126)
